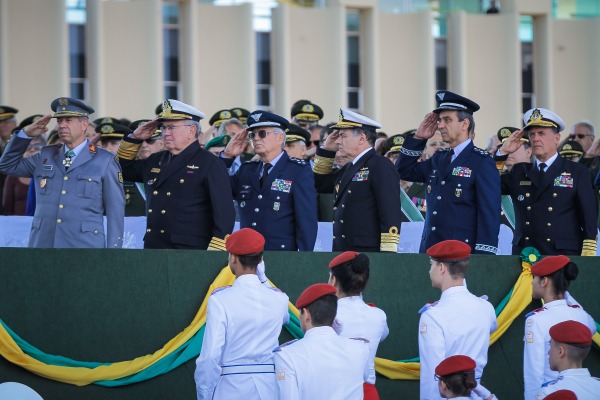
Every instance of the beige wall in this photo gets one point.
(577, 55)
(125, 63)
(309, 58)
(33, 54)
(406, 70)
(484, 59)
(223, 59)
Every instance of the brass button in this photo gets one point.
(95, 231)
(526, 222)
(528, 207)
(527, 195)
(334, 237)
(435, 213)
(61, 206)
(64, 192)
(148, 230)
(149, 211)
(433, 228)
(66, 178)
(547, 240)
(58, 221)
(89, 179)
(527, 238)
(155, 192)
(163, 212)
(334, 208)
(162, 231)
(283, 246)
(168, 193)
(259, 196)
(256, 210)
(549, 224)
(349, 191)
(341, 221)
(181, 180)
(549, 208)
(554, 194)
(343, 236)
(343, 205)
(254, 224)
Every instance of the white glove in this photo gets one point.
(483, 392)
(260, 272)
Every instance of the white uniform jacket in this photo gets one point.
(459, 323)
(356, 319)
(577, 380)
(322, 365)
(536, 362)
(243, 323)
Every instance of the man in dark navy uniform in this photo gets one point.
(276, 195)
(462, 183)
(555, 204)
(188, 205)
(366, 205)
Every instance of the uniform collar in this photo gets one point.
(575, 372)
(555, 303)
(77, 149)
(453, 290)
(248, 279)
(350, 299)
(320, 331)
(460, 147)
(548, 162)
(275, 160)
(360, 155)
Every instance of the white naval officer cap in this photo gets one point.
(542, 117)
(350, 119)
(177, 110)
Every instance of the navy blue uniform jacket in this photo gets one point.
(463, 199)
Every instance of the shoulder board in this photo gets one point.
(481, 151)
(297, 160)
(574, 306)
(534, 312)
(92, 148)
(276, 289)
(251, 162)
(428, 306)
(549, 383)
(360, 339)
(371, 304)
(278, 348)
(220, 289)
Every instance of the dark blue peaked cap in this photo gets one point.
(447, 100)
(260, 118)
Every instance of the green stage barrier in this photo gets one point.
(115, 305)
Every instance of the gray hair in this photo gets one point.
(461, 115)
(586, 124)
(369, 133)
(197, 125)
(225, 124)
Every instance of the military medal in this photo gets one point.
(428, 188)
(43, 183)
(337, 188)
(521, 197)
(151, 181)
(276, 206)
(458, 192)
(243, 204)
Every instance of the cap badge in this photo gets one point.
(167, 109)
(308, 108)
(441, 95)
(107, 129)
(398, 140)
(504, 133)
(567, 147)
(256, 117)
(535, 116)
(225, 115)
(63, 102)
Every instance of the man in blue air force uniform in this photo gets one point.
(276, 195)
(462, 183)
(76, 183)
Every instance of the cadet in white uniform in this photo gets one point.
(243, 323)
(459, 323)
(552, 276)
(322, 365)
(456, 377)
(571, 342)
(349, 273)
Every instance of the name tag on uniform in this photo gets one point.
(361, 176)
(525, 183)
(155, 170)
(564, 180)
(281, 185)
(462, 171)
(47, 167)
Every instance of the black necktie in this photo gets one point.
(449, 157)
(542, 170)
(265, 173)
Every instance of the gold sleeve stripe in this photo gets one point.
(128, 150)
(323, 165)
(389, 242)
(500, 166)
(589, 247)
(217, 244)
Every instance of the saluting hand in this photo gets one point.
(38, 127)
(512, 143)
(146, 130)
(330, 143)
(594, 150)
(427, 127)
(237, 145)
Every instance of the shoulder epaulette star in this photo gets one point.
(298, 160)
(481, 151)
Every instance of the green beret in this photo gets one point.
(219, 141)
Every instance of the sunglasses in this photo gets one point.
(578, 135)
(261, 134)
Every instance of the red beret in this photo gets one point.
(314, 292)
(454, 364)
(571, 332)
(245, 242)
(450, 250)
(563, 394)
(549, 264)
(342, 258)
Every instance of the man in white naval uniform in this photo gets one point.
(458, 323)
(570, 343)
(322, 365)
(243, 323)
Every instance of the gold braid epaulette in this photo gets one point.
(389, 240)
(500, 166)
(128, 150)
(217, 244)
(323, 165)
(589, 247)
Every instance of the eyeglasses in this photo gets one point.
(306, 124)
(437, 377)
(171, 128)
(579, 135)
(439, 144)
(261, 134)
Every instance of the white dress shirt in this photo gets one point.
(577, 380)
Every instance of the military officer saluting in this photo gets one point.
(76, 183)
(188, 206)
(276, 195)
(555, 204)
(366, 205)
(462, 183)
